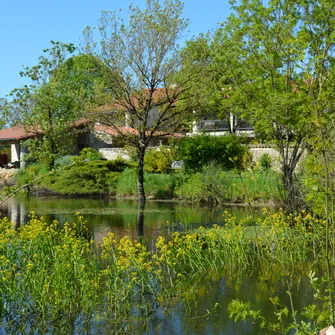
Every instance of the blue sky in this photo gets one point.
(26, 27)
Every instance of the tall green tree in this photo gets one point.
(267, 53)
(197, 66)
(201, 63)
(142, 57)
(319, 72)
(281, 60)
(61, 86)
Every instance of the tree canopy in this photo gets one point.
(62, 84)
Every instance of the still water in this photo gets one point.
(117, 215)
(121, 217)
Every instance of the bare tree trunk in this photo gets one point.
(289, 187)
(140, 175)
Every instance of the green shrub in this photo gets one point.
(90, 177)
(33, 171)
(197, 151)
(90, 154)
(204, 187)
(265, 162)
(158, 160)
(94, 177)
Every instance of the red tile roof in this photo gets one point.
(18, 133)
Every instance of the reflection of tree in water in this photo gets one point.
(15, 211)
(140, 218)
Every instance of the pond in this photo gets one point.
(117, 215)
(120, 217)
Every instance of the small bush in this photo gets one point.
(158, 160)
(265, 162)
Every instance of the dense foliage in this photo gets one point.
(158, 160)
(81, 177)
(214, 186)
(93, 177)
(197, 151)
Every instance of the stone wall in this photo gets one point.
(114, 153)
(6, 176)
(258, 150)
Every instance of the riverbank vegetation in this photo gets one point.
(214, 171)
(212, 185)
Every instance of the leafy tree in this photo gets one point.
(208, 74)
(142, 57)
(272, 70)
(60, 87)
(196, 65)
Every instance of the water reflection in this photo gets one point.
(116, 215)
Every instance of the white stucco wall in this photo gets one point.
(15, 152)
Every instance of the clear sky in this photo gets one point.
(26, 27)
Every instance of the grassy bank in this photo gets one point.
(59, 277)
(210, 186)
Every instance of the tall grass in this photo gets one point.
(211, 186)
(214, 186)
(158, 186)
